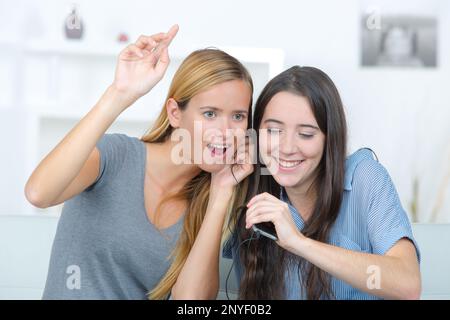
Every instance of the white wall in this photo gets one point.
(402, 114)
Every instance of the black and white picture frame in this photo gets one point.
(398, 40)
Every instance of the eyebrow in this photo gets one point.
(299, 125)
(218, 109)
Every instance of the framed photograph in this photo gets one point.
(398, 41)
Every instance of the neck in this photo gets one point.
(163, 171)
(303, 198)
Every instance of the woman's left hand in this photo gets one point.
(231, 175)
(265, 207)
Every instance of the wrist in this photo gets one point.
(220, 199)
(220, 195)
(299, 244)
(122, 97)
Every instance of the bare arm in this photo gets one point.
(73, 164)
(199, 277)
(395, 275)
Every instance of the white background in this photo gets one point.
(402, 114)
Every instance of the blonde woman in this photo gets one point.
(135, 223)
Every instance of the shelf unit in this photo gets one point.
(56, 84)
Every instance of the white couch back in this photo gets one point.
(25, 245)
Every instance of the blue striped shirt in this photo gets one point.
(371, 220)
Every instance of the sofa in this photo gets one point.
(26, 240)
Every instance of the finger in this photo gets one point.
(166, 41)
(241, 137)
(132, 49)
(242, 157)
(248, 168)
(263, 209)
(163, 62)
(261, 196)
(241, 171)
(260, 210)
(172, 32)
(152, 40)
(242, 150)
(146, 52)
(157, 52)
(146, 42)
(238, 143)
(266, 217)
(158, 37)
(263, 203)
(250, 154)
(252, 150)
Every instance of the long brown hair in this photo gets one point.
(200, 71)
(265, 263)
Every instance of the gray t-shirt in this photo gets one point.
(105, 247)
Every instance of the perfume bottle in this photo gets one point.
(73, 25)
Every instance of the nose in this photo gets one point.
(221, 130)
(224, 126)
(288, 144)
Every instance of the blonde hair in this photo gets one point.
(201, 70)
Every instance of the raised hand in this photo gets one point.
(141, 65)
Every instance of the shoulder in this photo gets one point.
(363, 170)
(118, 153)
(119, 139)
(119, 144)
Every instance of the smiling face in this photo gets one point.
(291, 143)
(212, 118)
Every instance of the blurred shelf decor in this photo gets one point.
(73, 25)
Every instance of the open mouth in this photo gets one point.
(218, 149)
(288, 165)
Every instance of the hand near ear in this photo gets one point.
(233, 174)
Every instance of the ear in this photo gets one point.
(173, 113)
